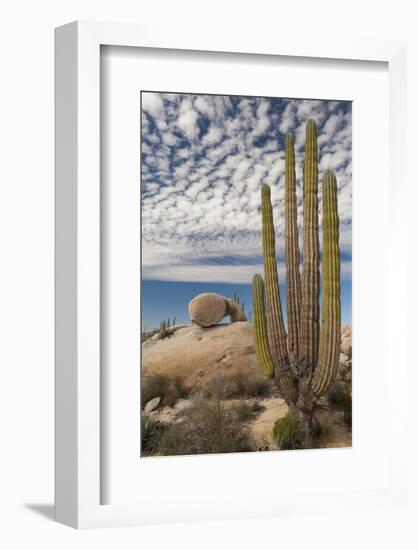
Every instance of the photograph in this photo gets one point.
(246, 273)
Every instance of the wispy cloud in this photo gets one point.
(204, 160)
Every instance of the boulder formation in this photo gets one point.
(209, 308)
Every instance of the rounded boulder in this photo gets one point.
(207, 309)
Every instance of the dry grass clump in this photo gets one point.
(244, 411)
(151, 432)
(240, 384)
(168, 389)
(210, 427)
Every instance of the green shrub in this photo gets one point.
(168, 389)
(291, 433)
(151, 432)
(210, 427)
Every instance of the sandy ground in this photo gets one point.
(336, 433)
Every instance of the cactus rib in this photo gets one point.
(262, 350)
(310, 282)
(276, 328)
(263, 353)
(331, 308)
(292, 254)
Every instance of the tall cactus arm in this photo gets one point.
(276, 328)
(292, 254)
(331, 309)
(263, 353)
(310, 285)
(284, 377)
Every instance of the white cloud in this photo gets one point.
(202, 201)
(288, 119)
(152, 103)
(212, 273)
(332, 124)
(213, 136)
(187, 120)
(263, 121)
(332, 161)
(204, 106)
(169, 139)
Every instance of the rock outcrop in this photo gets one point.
(209, 308)
(199, 355)
(220, 353)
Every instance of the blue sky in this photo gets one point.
(204, 160)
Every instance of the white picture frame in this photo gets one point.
(78, 406)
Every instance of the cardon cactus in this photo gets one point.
(304, 361)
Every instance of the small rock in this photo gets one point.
(344, 359)
(346, 341)
(183, 405)
(152, 405)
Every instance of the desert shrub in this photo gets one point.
(151, 432)
(168, 389)
(215, 388)
(244, 411)
(337, 394)
(291, 433)
(177, 390)
(251, 384)
(210, 427)
(320, 433)
(341, 396)
(147, 334)
(345, 373)
(241, 384)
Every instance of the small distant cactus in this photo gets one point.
(163, 329)
(305, 360)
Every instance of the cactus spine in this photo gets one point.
(304, 363)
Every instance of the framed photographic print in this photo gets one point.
(222, 254)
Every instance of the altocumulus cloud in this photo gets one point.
(203, 162)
